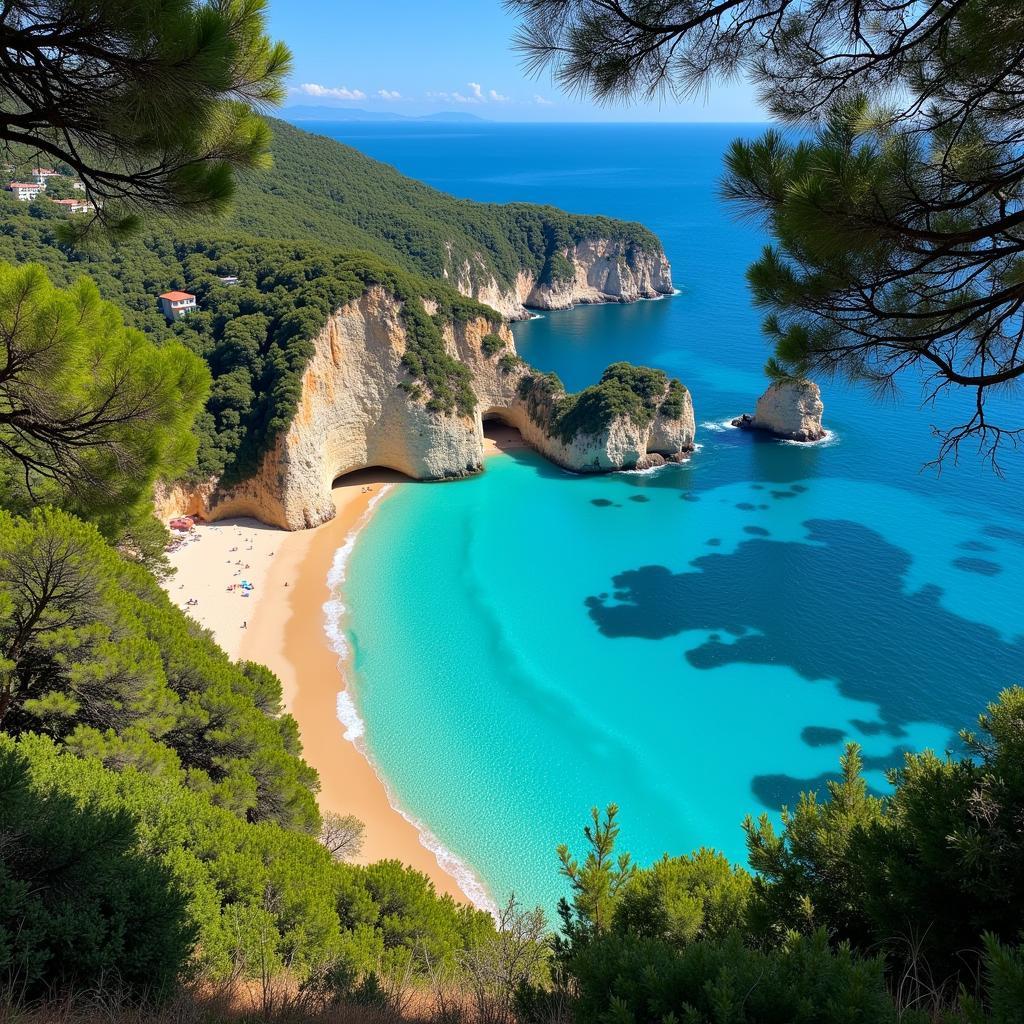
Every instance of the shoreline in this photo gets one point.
(285, 630)
(288, 618)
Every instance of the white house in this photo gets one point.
(175, 305)
(76, 205)
(78, 186)
(228, 279)
(40, 174)
(25, 191)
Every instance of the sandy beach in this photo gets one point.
(281, 624)
(284, 629)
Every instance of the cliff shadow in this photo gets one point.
(835, 606)
(369, 476)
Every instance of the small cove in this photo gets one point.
(695, 643)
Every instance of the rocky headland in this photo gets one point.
(593, 270)
(789, 409)
(360, 407)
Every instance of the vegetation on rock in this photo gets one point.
(256, 335)
(636, 393)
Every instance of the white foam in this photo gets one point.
(348, 715)
(355, 728)
(334, 608)
(716, 426)
(831, 438)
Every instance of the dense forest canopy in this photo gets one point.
(319, 188)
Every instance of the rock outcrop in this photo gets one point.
(354, 412)
(790, 409)
(624, 442)
(595, 270)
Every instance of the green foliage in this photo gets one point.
(684, 899)
(491, 344)
(636, 393)
(802, 981)
(78, 898)
(59, 187)
(509, 362)
(257, 896)
(93, 654)
(558, 269)
(924, 872)
(825, 834)
(598, 882)
(320, 188)
(672, 405)
(153, 105)
(91, 412)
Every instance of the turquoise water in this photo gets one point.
(694, 644)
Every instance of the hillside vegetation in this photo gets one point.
(256, 335)
(304, 238)
(322, 189)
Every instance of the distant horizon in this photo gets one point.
(459, 56)
(364, 116)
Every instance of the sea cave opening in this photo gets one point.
(500, 431)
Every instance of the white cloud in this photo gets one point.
(389, 94)
(542, 102)
(476, 95)
(325, 92)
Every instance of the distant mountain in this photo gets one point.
(311, 112)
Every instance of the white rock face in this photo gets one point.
(352, 414)
(604, 271)
(788, 409)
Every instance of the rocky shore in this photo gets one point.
(790, 410)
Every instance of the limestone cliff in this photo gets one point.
(594, 270)
(790, 409)
(357, 409)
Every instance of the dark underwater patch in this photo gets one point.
(980, 566)
(822, 736)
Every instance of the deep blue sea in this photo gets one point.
(695, 644)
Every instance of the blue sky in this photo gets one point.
(415, 58)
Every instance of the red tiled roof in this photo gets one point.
(177, 296)
(72, 202)
(24, 184)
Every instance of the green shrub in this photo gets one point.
(803, 981)
(509, 361)
(491, 344)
